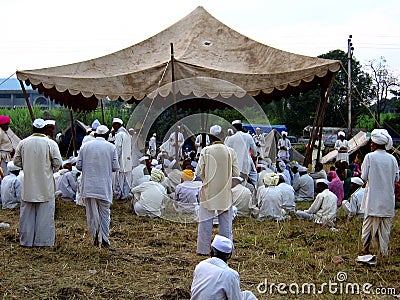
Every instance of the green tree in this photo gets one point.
(384, 83)
(300, 111)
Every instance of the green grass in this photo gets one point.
(155, 258)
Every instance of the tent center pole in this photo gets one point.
(175, 105)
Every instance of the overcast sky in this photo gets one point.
(44, 33)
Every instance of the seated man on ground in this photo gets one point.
(148, 197)
(241, 197)
(270, 199)
(319, 172)
(140, 173)
(68, 181)
(186, 199)
(288, 195)
(352, 207)
(282, 170)
(304, 186)
(213, 279)
(11, 187)
(323, 210)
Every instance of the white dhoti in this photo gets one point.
(98, 215)
(36, 224)
(204, 234)
(122, 184)
(376, 230)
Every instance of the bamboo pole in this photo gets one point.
(71, 118)
(28, 104)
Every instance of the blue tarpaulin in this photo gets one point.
(265, 128)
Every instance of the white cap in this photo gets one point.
(302, 168)
(12, 167)
(154, 162)
(144, 158)
(236, 122)
(284, 133)
(258, 128)
(357, 180)
(322, 180)
(215, 130)
(222, 244)
(101, 129)
(95, 124)
(117, 120)
(39, 123)
(341, 133)
(238, 178)
(50, 122)
(154, 134)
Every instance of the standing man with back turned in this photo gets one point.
(97, 160)
(380, 170)
(216, 167)
(38, 156)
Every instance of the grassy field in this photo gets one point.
(155, 258)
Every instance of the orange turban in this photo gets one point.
(187, 175)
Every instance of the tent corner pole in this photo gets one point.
(28, 104)
(102, 111)
(71, 118)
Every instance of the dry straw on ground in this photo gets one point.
(155, 258)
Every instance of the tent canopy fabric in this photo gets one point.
(203, 47)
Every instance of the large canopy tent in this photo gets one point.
(202, 47)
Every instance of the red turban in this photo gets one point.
(4, 120)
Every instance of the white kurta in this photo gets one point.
(288, 196)
(381, 170)
(138, 175)
(242, 143)
(259, 140)
(136, 146)
(10, 191)
(304, 188)
(122, 177)
(314, 153)
(149, 196)
(353, 206)
(153, 146)
(97, 160)
(68, 185)
(123, 143)
(198, 143)
(270, 203)
(37, 154)
(284, 154)
(213, 279)
(324, 207)
(242, 199)
(216, 167)
(342, 156)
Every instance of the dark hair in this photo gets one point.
(221, 255)
(37, 130)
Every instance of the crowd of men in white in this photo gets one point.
(112, 165)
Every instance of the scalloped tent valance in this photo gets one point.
(203, 47)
